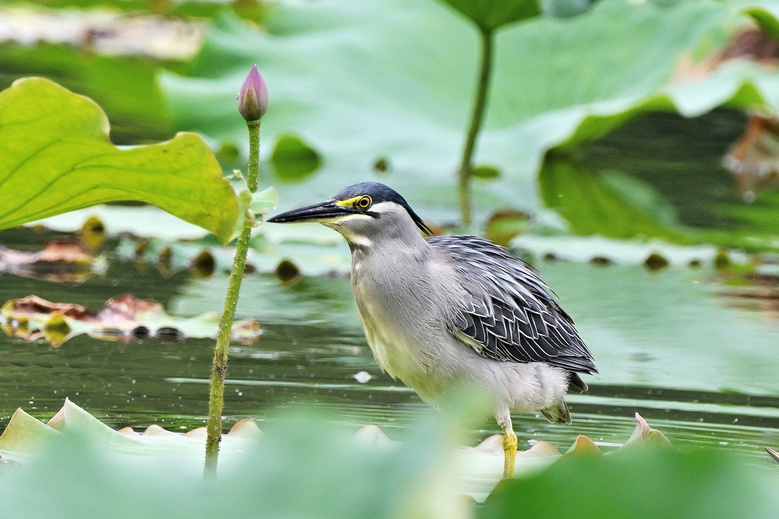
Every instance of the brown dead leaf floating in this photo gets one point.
(108, 32)
(124, 319)
(754, 158)
(61, 260)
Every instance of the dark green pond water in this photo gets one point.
(698, 359)
(693, 362)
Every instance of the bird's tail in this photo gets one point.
(557, 413)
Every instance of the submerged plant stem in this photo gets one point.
(466, 166)
(219, 367)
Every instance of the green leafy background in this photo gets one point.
(382, 90)
(558, 83)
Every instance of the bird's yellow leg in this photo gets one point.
(509, 451)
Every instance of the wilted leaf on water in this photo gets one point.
(61, 260)
(104, 31)
(125, 319)
(24, 437)
(754, 159)
(57, 157)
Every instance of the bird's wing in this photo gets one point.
(508, 313)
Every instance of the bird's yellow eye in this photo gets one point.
(364, 202)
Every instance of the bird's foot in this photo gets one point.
(510, 453)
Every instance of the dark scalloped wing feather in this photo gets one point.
(511, 313)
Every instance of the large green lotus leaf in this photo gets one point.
(375, 476)
(696, 485)
(394, 81)
(55, 156)
(303, 466)
(610, 203)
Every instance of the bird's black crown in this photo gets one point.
(381, 193)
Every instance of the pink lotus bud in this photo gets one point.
(253, 97)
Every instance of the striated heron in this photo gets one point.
(446, 311)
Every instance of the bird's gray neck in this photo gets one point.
(394, 238)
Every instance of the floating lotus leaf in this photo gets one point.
(600, 250)
(125, 319)
(24, 436)
(480, 467)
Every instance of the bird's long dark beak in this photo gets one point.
(322, 212)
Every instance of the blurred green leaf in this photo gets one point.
(764, 12)
(677, 175)
(613, 204)
(304, 466)
(650, 483)
(489, 15)
(756, 218)
(264, 201)
(565, 8)
(354, 82)
(137, 114)
(485, 172)
(56, 157)
(293, 159)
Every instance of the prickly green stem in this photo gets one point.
(219, 367)
(253, 179)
